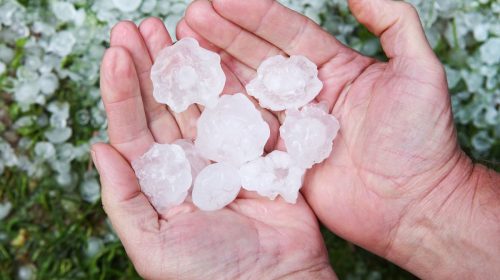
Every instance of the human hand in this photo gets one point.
(396, 178)
(251, 238)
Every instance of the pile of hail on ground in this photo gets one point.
(227, 153)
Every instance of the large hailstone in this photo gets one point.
(185, 73)
(308, 134)
(196, 161)
(273, 175)
(285, 83)
(216, 186)
(164, 174)
(233, 131)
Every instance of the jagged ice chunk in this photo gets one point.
(308, 134)
(164, 174)
(127, 6)
(273, 175)
(285, 83)
(233, 131)
(216, 186)
(185, 73)
(196, 161)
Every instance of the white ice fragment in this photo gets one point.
(94, 245)
(285, 83)
(164, 175)
(272, 175)
(3, 68)
(62, 43)
(80, 17)
(127, 6)
(45, 150)
(308, 134)
(233, 131)
(90, 190)
(63, 11)
(185, 73)
(26, 272)
(59, 113)
(481, 32)
(216, 186)
(6, 53)
(489, 51)
(148, 6)
(28, 93)
(196, 161)
(5, 208)
(48, 83)
(58, 135)
(64, 179)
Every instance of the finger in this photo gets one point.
(288, 30)
(127, 126)
(243, 72)
(241, 44)
(156, 38)
(128, 209)
(162, 125)
(397, 24)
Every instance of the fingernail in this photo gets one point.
(94, 159)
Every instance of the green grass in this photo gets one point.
(352, 262)
(49, 228)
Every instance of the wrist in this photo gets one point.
(454, 229)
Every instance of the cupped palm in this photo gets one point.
(397, 140)
(252, 238)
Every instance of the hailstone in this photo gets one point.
(164, 174)
(216, 186)
(273, 175)
(285, 83)
(233, 131)
(308, 134)
(185, 73)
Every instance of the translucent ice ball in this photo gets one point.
(233, 131)
(309, 134)
(273, 175)
(164, 174)
(185, 73)
(216, 186)
(285, 83)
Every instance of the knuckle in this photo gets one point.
(408, 9)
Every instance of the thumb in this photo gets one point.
(397, 24)
(126, 206)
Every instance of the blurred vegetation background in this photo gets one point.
(52, 225)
